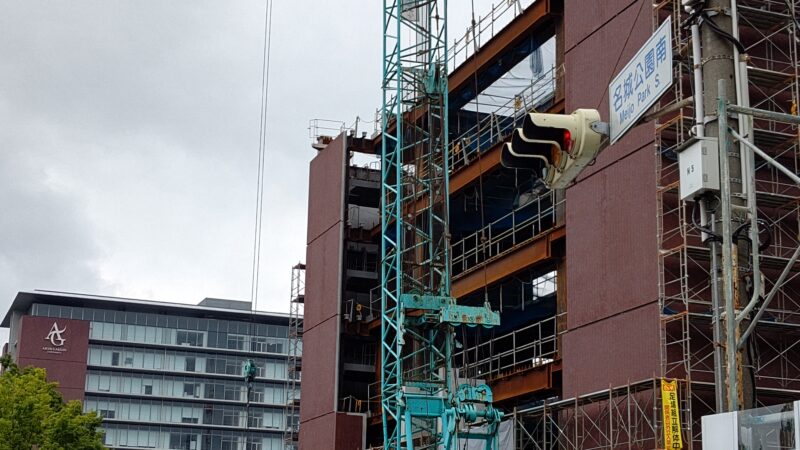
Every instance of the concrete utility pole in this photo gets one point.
(718, 63)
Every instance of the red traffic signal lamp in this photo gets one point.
(555, 146)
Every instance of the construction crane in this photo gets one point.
(423, 404)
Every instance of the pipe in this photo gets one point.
(770, 296)
(719, 378)
(748, 162)
(767, 158)
(697, 61)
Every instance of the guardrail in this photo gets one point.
(484, 28)
(531, 346)
(505, 233)
(497, 125)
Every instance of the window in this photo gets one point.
(189, 364)
(107, 413)
(258, 344)
(189, 420)
(148, 389)
(232, 392)
(256, 420)
(189, 338)
(235, 342)
(182, 441)
(104, 383)
(230, 417)
(129, 361)
(191, 390)
(115, 358)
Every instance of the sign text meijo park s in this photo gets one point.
(641, 82)
(56, 339)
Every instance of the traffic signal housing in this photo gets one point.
(555, 146)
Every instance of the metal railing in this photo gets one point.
(497, 125)
(528, 347)
(531, 346)
(484, 29)
(520, 225)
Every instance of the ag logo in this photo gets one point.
(55, 335)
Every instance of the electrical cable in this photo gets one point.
(619, 57)
(713, 237)
(727, 36)
(254, 281)
(745, 227)
(261, 155)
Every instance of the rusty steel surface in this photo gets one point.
(537, 379)
(537, 15)
(534, 252)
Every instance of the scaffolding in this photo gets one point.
(768, 32)
(294, 352)
(630, 416)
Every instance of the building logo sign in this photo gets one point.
(56, 338)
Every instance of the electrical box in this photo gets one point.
(699, 167)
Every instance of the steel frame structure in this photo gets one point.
(422, 407)
(770, 81)
(629, 416)
(296, 303)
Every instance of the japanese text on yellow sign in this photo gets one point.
(672, 419)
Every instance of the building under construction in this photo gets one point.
(603, 288)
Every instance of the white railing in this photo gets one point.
(520, 225)
(484, 29)
(532, 346)
(496, 125)
(528, 347)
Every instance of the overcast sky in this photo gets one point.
(129, 139)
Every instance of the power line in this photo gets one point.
(262, 137)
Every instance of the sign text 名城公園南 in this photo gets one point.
(641, 82)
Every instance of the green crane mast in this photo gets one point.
(423, 405)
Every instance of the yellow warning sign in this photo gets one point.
(671, 418)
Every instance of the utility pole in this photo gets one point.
(718, 63)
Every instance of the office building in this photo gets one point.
(162, 375)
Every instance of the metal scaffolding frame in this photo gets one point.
(685, 283)
(629, 416)
(295, 349)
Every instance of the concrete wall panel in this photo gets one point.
(319, 371)
(326, 188)
(349, 431)
(594, 59)
(318, 433)
(323, 263)
(612, 352)
(612, 244)
(586, 17)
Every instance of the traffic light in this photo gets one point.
(555, 146)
